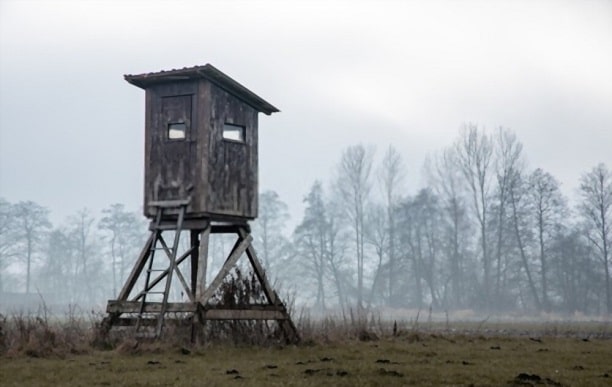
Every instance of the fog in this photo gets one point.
(413, 75)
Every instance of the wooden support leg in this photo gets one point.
(202, 266)
(286, 324)
(140, 263)
(195, 251)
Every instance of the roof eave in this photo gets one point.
(209, 73)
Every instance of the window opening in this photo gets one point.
(176, 131)
(234, 132)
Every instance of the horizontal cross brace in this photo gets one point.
(246, 312)
(149, 307)
(243, 314)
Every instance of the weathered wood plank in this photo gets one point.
(195, 252)
(202, 263)
(221, 176)
(180, 276)
(188, 224)
(115, 306)
(259, 271)
(278, 308)
(162, 275)
(242, 314)
(140, 263)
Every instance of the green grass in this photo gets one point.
(412, 358)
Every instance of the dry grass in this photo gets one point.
(407, 359)
(345, 351)
(40, 336)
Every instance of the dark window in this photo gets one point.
(234, 132)
(176, 131)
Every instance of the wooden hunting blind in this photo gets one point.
(201, 142)
(201, 176)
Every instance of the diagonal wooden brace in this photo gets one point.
(227, 266)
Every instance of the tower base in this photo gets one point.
(145, 303)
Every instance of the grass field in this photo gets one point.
(426, 357)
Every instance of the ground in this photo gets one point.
(423, 358)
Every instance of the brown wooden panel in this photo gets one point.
(170, 167)
(232, 176)
(220, 175)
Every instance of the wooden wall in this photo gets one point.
(219, 175)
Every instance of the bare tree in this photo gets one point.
(420, 239)
(125, 234)
(311, 237)
(353, 184)
(391, 176)
(269, 231)
(428, 221)
(89, 275)
(474, 150)
(32, 222)
(8, 238)
(508, 162)
(320, 247)
(549, 209)
(57, 274)
(337, 247)
(445, 178)
(596, 209)
(378, 236)
(411, 256)
(522, 227)
(573, 271)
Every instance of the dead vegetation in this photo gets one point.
(46, 335)
(41, 336)
(338, 355)
(347, 349)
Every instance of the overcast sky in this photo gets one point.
(342, 73)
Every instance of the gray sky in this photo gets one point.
(407, 73)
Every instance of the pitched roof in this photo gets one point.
(208, 72)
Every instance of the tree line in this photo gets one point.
(81, 262)
(487, 232)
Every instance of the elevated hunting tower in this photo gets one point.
(201, 176)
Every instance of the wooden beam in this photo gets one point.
(211, 314)
(259, 271)
(188, 224)
(149, 307)
(247, 312)
(140, 263)
(242, 314)
(169, 255)
(162, 275)
(195, 252)
(202, 263)
(227, 266)
(184, 283)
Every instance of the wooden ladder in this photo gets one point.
(164, 208)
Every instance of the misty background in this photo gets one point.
(359, 85)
